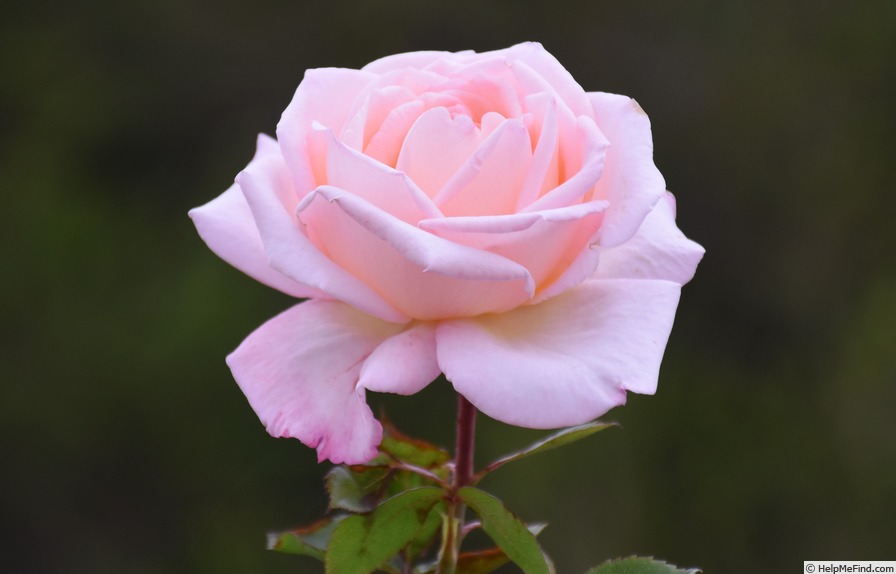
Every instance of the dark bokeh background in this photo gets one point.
(128, 448)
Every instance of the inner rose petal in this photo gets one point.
(385, 145)
(587, 150)
(370, 115)
(388, 189)
(485, 87)
(489, 181)
(435, 147)
(544, 130)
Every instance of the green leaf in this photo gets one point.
(638, 565)
(411, 450)
(365, 542)
(484, 561)
(356, 488)
(561, 438)
(508, 531)
(307, 541)
(427, 534)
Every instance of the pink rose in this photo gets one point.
(479, 215)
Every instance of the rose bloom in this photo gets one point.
(474, 214)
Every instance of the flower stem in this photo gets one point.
(466, 435)
(463, 475)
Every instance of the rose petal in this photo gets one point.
(544, 242)
(489, 181)
(555, 77)
(425, 276)
(268, 189)
(485, 85)
(404, 364)
(228, 228)
(378, 184)
(421, 59)
(435, 147)
(325, 95)
(565, 361)
(299, 372)
(385, 144)
(658, 251)
(586, 164)
(630, 182)
(544, 170)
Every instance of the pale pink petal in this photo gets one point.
(228, 228)
(392, 101)
(391, 119)
(268, 189)
(385, 143)
(435, 147)
(325, 96)
(544, 170)
(382, 108)
(420, 60)
(416, 80)
(580, 269)
(658, 251)
(565, 361)
(485, 85)
(556, 78)
(424, 276)
(367, 120)
(404, 364)
(630, 182)
(299, 372)
(378, 184)
(545, 242)
(489, 181)
(590, 153)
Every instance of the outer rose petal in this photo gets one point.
(404, 364)
(325, 96)
(299, 372)
(227, 227)
(269, 191)
(658, 251)
(544, 242)
(630, 182)
(557, 78)
(423, 275)
(565, 361)
(420, 59)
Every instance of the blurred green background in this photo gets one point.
(127, 446)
